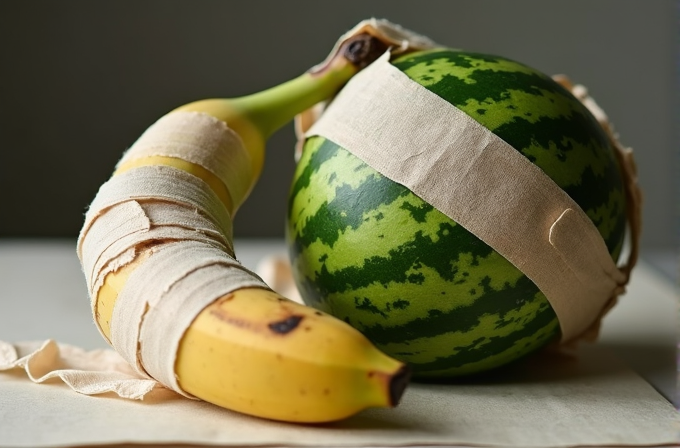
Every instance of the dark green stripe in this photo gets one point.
(461, 319)
(484, 83)
(348, 208)
(325, 152)
(477, 351)
(460, 58)
(590, 198)
(440, 255)
(417, 212)
(559, 133)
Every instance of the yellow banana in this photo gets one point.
(252, 350)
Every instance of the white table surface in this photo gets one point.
(43, 296)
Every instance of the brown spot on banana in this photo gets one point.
(286, 325)
(284, 321)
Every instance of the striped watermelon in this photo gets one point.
(418, 285)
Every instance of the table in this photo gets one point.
(43, 295)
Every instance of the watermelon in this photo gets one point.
(420, 286)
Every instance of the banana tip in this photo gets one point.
(398, 384)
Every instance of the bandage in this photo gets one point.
(191, 261)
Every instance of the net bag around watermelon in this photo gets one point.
(462, 210)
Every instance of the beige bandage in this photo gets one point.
(176, 205)
(163, 296)
(190, 266)
(128, 224)
(160, 183)
(201, 139)
(414, 137)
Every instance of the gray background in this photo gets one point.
(80, 80)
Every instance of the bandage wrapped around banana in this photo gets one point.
(167, 292)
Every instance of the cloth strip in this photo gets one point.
(162, 297)
(415, 138)
(181, 304)
(89, 373)
(201, 139)
(131, 223)
(115, 224)
(160, 183)
(191, 266)
(133, 243)
(120, 221)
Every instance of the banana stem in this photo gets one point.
(273, 108)
(257, 116)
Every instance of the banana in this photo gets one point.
(254, 351)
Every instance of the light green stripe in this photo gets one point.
(578, 160)
(341, 169)
(604, 213)
(381, 231)
(496, 113)
(462, 291)
(521, 347)
(433, 71)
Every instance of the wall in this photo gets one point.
(80, 80)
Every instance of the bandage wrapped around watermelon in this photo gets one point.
(462, 210)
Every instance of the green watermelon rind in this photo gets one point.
(436, 296)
